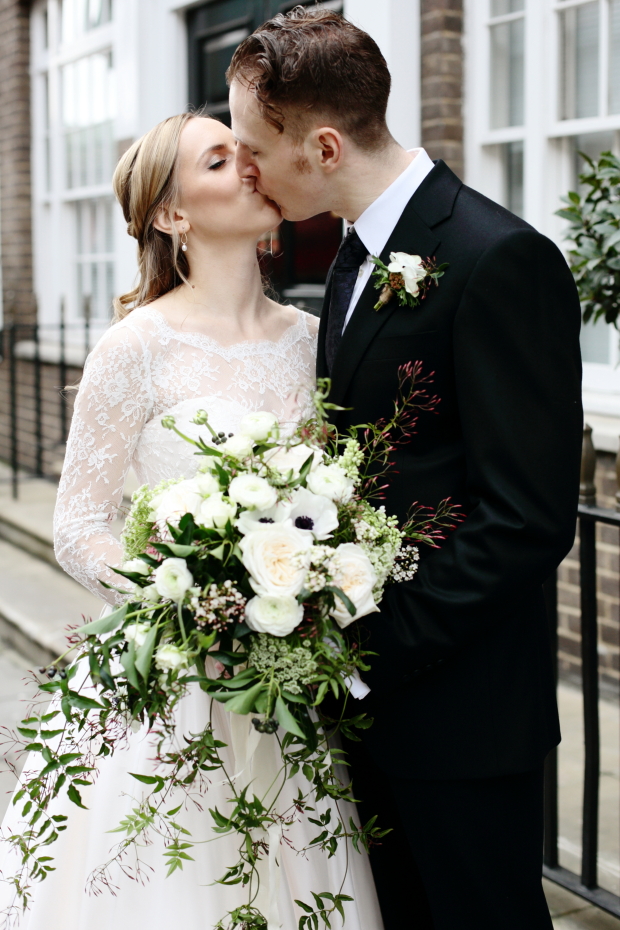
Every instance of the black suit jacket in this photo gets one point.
(463, 684)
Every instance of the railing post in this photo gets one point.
(618, 476)
(587, 488)
(13, 412)
(550, 849)
(62, 369)
(38, 415)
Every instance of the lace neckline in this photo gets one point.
(291, 334)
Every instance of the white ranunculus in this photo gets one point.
(253, 492)
(136, 633)
(137, 566)
(275, 615)
(290, 460)
(173, 579)
(206, 484)
(411, 268)
(214, 511)
(354, 574)
(238, 445)
(259, 426)
(277, 559)
(170, 505)
(250, 520)
(331, 481)
(314, 513)
(171, 658)
(149, 594)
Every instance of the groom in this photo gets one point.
(462, 695)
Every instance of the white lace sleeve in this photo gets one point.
(113, 404)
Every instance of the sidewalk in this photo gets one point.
(37, 601)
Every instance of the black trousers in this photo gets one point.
(464, 854)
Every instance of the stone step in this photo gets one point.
(37, 603)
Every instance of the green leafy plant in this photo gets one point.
(594, 218)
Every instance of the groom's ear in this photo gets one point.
(327, 146)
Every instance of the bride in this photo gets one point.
(197, 332)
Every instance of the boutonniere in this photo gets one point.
(409, 277)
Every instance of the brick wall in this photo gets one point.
(608, 593)
(15, 189)
(442, 80)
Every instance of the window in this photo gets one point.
(79, 16)
(507, 28)
(590, 58)
(513, 177)
(88, 96)
(94, 257)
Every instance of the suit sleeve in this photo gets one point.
(518, 384)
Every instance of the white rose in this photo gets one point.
(174, 502)
(173, 579)
(314, 513)
(259, 426)
(215, 511)
(275, 615)
(171, 658)
(137, 566)
(250, 520)
(239, 445)
(411, 268)
(252, 491)
(136, 633)
(354, 574)
(149, 594)
(206, 484)
(291, 460)
(331, 481)
(277, 559)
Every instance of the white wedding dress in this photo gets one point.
(141, 370)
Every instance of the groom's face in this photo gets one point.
(280, 166)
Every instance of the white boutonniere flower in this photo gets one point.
(408, 277)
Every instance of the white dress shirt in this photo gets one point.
(377, 222)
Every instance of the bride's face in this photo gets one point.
(214, 200)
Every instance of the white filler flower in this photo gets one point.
(277, 559)
(314, 513)
(136, 633)
(253, 492)
(174, 502)
(411, 268)
(354, 574)
(331, 481)
(171, 658)
(259, 426)
(275, 615)
(215, 511)
(173, 579)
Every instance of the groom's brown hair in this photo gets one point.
(314, 62)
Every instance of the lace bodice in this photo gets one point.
(140, 370)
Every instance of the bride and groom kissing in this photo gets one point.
(461, 690)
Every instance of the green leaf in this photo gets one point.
(128, 661)
(243, 703)
(50, 734)
(27, 733)
(182, 552)
(80, 702)
(348, 603)
(106, 624)
(75, 796)
(145, 652)
(286, 719)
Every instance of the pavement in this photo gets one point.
(38, 600)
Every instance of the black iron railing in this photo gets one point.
(586, 883)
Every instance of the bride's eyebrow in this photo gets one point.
(219, 147)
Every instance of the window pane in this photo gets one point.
(501, 7)
(614, 56)
(89, 97)
(595, 342)
(94, 257)
(80, 16)
(580, 61)
(513, 177)
(507, 58)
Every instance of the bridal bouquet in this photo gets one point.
(247, 581)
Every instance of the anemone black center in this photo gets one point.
(266, 520)
(304, 523)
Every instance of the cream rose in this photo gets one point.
(215, 511)
(253, 492)
(411, 268)
(353, 573)
(331, 481)
(290, 460)
(136, 633)
(277, 559)
(173, 579)
(171, 658)
(275, 615)
(259, 426)
(170, 505)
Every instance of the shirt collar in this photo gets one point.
(377, 222)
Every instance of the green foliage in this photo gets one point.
(594, 219)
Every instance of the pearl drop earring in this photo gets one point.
(184, 241)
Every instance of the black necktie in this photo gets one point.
(351, 254)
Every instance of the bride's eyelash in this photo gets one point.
(217, 164)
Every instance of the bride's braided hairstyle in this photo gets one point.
(145, 183)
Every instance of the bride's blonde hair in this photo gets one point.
(145, 183)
